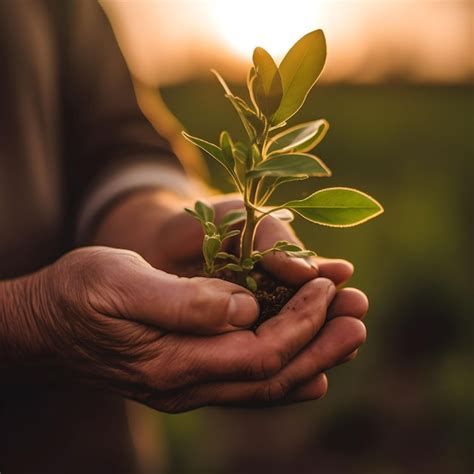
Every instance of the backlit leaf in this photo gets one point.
(251, 284)
(268, 85)
(337, 207)
(210, 248)
(300, 138)
(233, 217)
(290, 164)
(299, 71)
(204, 211)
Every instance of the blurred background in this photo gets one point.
(398, 93)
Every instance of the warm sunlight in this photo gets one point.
(271, 24)
(368, 40)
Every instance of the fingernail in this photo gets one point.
(242, 310)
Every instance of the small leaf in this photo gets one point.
(285, 245)
(240, 152)
(257, 256)
(256, 156)
(205, 212)
(301, 254)
(234, 267)
(248, 264)
(212, 150)
(226, 144)
(251, 78)
(210, 228)
(299, 71)
(337, 207)
(233, 217)
(227, 256)
(290, 164)
(237, 104)
(193, 213)
(300, 138)
(268, 88)
(230, 234)
(210, 248)
(251, 284)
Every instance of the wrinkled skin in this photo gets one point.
(110, 318)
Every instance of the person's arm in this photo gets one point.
(23, 331)
(109, 147)
(106, 317)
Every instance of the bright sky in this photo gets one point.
(368, 40)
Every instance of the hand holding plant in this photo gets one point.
(274, 155)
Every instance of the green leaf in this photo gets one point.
(226, 144)
(256, 156)
(210, 248)
(240, 152)
(285, 245)
(337, 207)
(301, 254)
(292, 250)
(300, 138)
(230, 234)
(234, 267)
(210, 228)
(233, 217)
(299, 71)
(251, 284)
(268, 86)
(212, 150)
(227, 256)
(290, 164)
(251, 77)
(243, 110)
(248, 264)
(205, 212)
(193, 213)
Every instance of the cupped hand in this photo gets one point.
(155, 225)
(175, 344)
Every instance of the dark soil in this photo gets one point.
(271, 294)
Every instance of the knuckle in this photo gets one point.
(267, 365)
(275, 390)
(206, 298)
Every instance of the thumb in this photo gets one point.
(196, 305)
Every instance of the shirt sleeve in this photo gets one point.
(110, 149)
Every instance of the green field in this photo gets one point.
(405, 405)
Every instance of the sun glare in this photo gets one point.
(272, 24)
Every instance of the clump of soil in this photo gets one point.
(271, 293)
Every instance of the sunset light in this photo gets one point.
(267, 23)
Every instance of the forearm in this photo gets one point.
(24, 324)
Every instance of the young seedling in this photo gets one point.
(273, 155)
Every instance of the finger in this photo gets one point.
(349, 302)
(349, 357)
(314, 389)
(229, 395)
(196, 305)
(339, 338)
(245, 355)
(292, 271)
(337, 270)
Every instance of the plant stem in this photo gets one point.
(248, 234)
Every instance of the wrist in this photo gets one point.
(25, 321)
